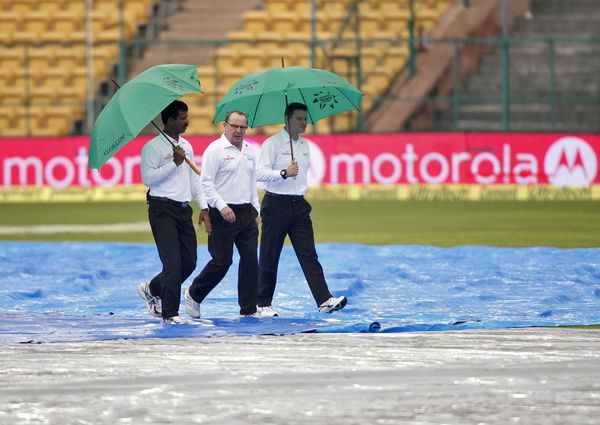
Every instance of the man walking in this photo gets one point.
(284, 212)
(229, 183)
(172, 185)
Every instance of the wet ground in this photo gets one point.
(506, 376)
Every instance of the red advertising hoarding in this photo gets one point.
(566, 160)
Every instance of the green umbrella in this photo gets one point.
(264, 95)
(135, 105)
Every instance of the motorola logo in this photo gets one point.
(571, 162)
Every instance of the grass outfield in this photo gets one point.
(516, 224)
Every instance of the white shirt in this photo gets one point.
(165, 178)
(275, 155)
(229, 174)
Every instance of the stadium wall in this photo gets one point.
(453, 166)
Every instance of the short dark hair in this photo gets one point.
(172, 110)
(294, 106)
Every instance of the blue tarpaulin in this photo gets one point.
(72, 291)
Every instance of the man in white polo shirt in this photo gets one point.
(229, 183)
(172, 184)
(285, 212)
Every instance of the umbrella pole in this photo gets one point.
(190, 163)
(289, 133)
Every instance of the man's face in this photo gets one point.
(181, 123)
(298, 121)
(235, 128)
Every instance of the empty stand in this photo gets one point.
(43, 60)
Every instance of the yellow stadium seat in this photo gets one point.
(41, 57)
(5, 118)
(23, 6)
(42, 94)
(207, 77)
(59, 118)
(396, 57)
(67, 21)
(10, 22)
(252, 58)
(285, 21)
(278, 5)
(12, 57)
(37, 22)
(227, 57)
(256, 21)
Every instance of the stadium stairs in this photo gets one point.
(577, 72)
(43, 63)
(258, 37)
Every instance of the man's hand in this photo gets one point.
(204, 218)
(228, 214)
(292, 170)
(178, 155)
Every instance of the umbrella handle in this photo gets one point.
(191, 164)
(294, 162)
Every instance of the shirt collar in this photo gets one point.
(286, 136)
(225, 143)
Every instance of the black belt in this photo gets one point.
(238, 206)
(234, 206)
(169, 201)
(279, 195)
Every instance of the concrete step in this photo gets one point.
(524, 126)
(526, 117)
(538, 83)
(533, 47)
(559, 25)
(564, 6)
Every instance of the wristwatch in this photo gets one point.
(283, 174)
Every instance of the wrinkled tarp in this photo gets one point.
(72, 291)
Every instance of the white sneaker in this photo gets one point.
(191, 307)
(267, 311)
(175, 320)
(256, 315)
(333, 304)
(152, 302)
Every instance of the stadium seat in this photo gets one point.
(251, 58)
(12, 57)
(40, 57)
(256, 21)
(21, 6)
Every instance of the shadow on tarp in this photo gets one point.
(81, 291)
(44, 328)
(41, 328)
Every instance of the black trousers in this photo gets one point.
(243, 233)
(288, 215)
(175, 238)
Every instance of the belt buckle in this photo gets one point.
(185, 204)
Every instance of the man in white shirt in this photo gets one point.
(172, 184)
(229, 183)
(284, 211)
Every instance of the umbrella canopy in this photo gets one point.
(264, 95)
(135, 104)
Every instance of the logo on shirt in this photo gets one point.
(228, 158)
(325, 99)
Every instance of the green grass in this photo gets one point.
(516, 224)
